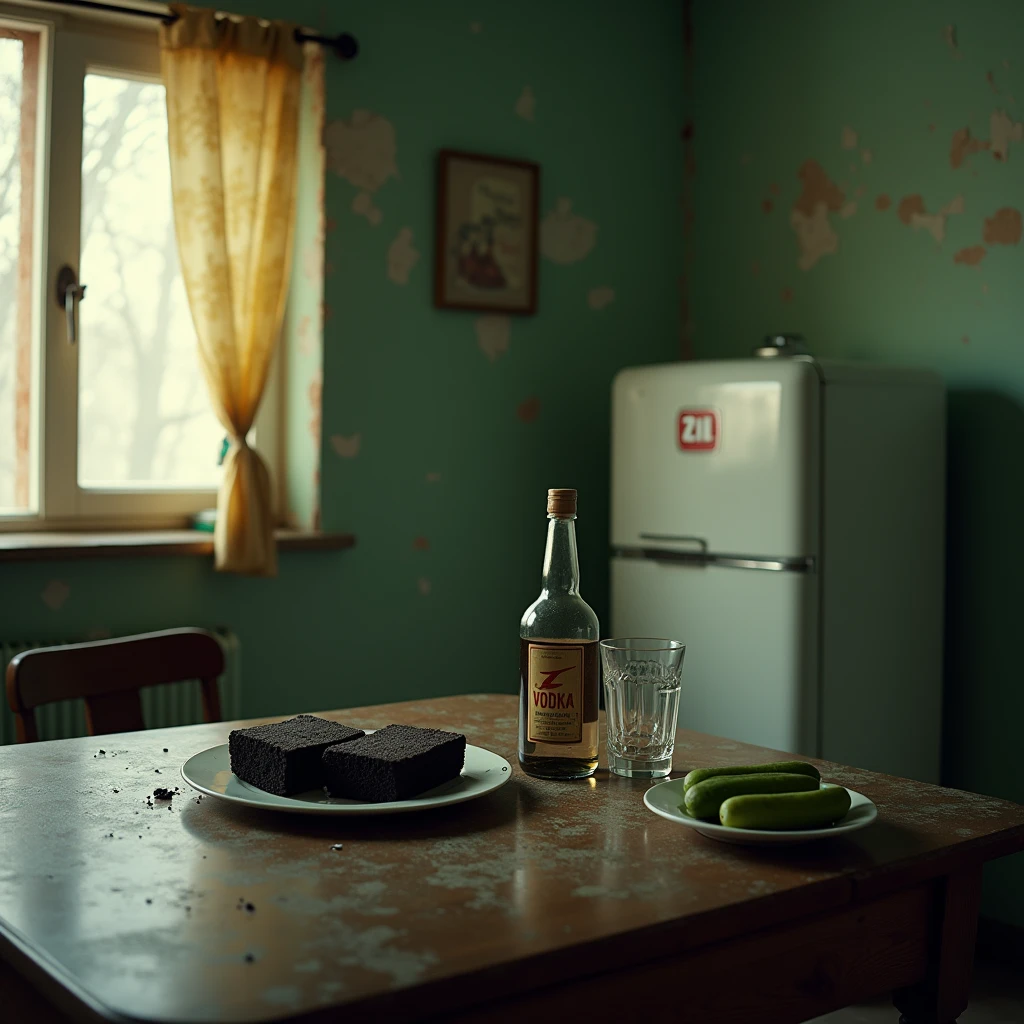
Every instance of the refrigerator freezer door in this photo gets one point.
(722, 455)
(750, 670)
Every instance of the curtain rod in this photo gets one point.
(344, 45)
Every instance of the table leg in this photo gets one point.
(942, 996)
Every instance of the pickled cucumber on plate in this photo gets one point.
(775, 767)
(786, 811)
(704, 799)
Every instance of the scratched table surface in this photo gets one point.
(200, 911)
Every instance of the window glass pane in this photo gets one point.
(19, 77)
(145, 419)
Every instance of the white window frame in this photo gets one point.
(73, 46)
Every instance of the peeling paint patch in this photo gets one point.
(492, 335)
(809, 216)
(598, 298)
(882, 202)
(909, 207)
(817, 189)
(346, 447)
(55, 594)
(363, 206)
(305, 336)
(815, 236)
(963, 145)
(952, 43)
(315, 394)
(402, 257)
(1003, 227)
(566, 237)
(1002, 131)
(912, 212)
(313, 260)
(848, 138)
(526, 104)
(528, 410)
(970, 256)
(362, 150)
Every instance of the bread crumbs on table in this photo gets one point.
(249, 958)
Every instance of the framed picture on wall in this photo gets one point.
(486, 255)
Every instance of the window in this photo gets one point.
(104, 414)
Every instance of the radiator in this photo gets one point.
(173, 704)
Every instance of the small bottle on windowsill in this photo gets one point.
(558, 660)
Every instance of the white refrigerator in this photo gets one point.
(784, 517)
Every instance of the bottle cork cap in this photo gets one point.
(562, 501)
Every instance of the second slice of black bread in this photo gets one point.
(394, 763)
(286, 757)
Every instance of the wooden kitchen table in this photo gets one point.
(544, 900)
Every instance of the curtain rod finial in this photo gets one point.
(346, 46)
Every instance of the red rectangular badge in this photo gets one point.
(698, 430)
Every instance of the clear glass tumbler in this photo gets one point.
(641, 698)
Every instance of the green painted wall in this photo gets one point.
(775, 86)
(442, 454)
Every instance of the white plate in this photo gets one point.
(209, 771)
(665, 798)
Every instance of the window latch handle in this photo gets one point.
(69, 294)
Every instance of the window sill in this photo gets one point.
(41, 546)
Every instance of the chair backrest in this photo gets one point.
(108, 675)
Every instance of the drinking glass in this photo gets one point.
(641, 699)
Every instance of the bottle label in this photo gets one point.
(556, 693)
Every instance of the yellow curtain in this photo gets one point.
(232, 118)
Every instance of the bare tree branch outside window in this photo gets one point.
(144, 415)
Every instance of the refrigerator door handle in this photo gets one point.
(669, 556)
(699, 543)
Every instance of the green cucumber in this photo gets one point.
(787, 767)
(704, 799)
(781, 811)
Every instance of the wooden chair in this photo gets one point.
(108, 674)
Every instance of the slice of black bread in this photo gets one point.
(394, 763)
(286, 757)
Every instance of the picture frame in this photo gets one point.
(487, 233)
